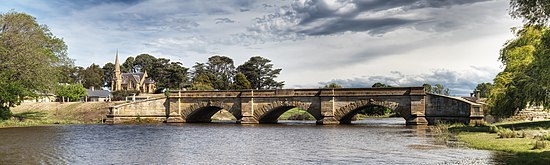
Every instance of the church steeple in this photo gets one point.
(116, 84)
(117, 65)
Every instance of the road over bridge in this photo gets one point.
(328, 106)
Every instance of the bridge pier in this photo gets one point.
(328, 120)
(416, 120)
(248, 120)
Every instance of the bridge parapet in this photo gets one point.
(339, 92)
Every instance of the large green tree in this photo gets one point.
(222, 71)
(70, 92)
(510, 93)
(175, 76)
(108, 73)
(201, 77)
(144, 62)
(241, 82)
(128, 65)
(93, 77)
(30, 56)
(259, 71)
(484, 89)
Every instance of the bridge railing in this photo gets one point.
(392, 91)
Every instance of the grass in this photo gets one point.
(294, 112)
(525, 141)
(37, 114)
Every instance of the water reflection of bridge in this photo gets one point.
(328, 106)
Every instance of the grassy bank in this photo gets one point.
(36, 114)
(526, 142)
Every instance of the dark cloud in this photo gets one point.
(376, 17)
(459, 83)
(375, 26)
(224, 20)
(244, 10)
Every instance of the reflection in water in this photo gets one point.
(372, 141)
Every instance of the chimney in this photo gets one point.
(92, 88)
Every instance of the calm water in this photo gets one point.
(373, 141)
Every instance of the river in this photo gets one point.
(371, 141)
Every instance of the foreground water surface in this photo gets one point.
(371, 141)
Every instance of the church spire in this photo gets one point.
(116, 83)
(117, 65)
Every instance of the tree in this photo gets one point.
(30, 56)
(260, 73)
(201, 78)
(510, 93)
(108, 73)
(222, 71)
(70, 92)
(427, 87)
(175, 77)
(440, 89)
(484, 89)
(241, 82)
(380, 85)
(436, 89)
(332, 86)
(144, 62)
(202, 82)
(93, 77)
(128, 65)
(533, 12)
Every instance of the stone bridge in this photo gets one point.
(328, 106)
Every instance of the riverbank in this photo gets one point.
(523, 142)
(48, 113)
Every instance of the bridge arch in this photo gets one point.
(203, 111)
(345, 114)
(271, 112)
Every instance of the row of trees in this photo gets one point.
(219, 73)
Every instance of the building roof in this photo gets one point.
(98, 93)
(126, 77)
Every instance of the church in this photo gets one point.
(131, 81)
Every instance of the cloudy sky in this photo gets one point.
(355, 43)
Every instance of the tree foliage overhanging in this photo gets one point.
(30, 59)
(524, 80)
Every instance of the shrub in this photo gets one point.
(540, 144)
(507, 133)
(5, 113)
(303, 116)
(494, 129)
(120, 95)
(546, 137)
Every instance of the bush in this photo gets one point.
(494, 129)
(120, 95)
(540, 144)
(303, 116)
(508, 133)
(546, 137)
(5, 113)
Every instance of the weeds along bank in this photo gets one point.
(523, 142)
(45, 113)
